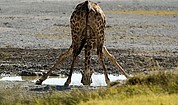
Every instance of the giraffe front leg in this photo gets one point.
(113, 60)
(61, 58)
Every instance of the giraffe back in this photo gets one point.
(87, 25)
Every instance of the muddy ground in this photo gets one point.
(28, 61)
(33, 33)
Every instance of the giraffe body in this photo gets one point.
(87, 28)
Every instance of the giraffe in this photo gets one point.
(87, 24)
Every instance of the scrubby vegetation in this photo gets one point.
(158, 88)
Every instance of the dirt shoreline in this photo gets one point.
(32, 61)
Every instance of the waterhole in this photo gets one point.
(97, 79)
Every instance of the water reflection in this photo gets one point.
(97, 79)
(15, 78)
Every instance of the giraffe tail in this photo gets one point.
(87, 9)
(87, 5)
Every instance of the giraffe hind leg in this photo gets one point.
(113, 61)
(100, 55)
(68, 81)
(61, 58)
(76, 52)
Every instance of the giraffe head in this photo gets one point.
(86, 78)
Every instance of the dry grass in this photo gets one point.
(144, 12)
(4, 55)
(153, 99)
(159, 88)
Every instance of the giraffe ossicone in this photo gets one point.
(87, 29)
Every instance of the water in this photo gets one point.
(16, 78)
(97, 79)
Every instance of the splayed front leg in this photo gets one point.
(44, 77)
(113, 61)
(59, 61)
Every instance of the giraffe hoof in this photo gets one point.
(38, 82)
(66, 84)
(129, 76)
(108, 82)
